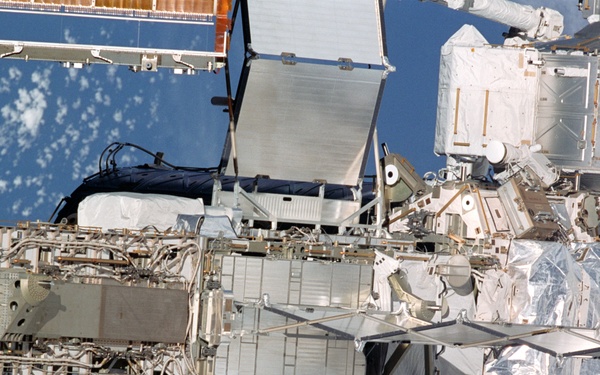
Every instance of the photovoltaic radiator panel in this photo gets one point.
(306, 122)
(325, 30)
(310, 90)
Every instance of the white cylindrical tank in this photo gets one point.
(501, 153)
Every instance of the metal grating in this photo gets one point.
(288, 207)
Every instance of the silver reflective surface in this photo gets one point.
(565, 112)
(552, 288)
(316, 29)
(294, 350)
(306, 122)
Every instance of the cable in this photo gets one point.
(107, 162)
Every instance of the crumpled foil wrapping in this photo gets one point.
(548, 282)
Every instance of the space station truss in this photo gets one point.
(205, 13)
(277, 302)
(299, 310)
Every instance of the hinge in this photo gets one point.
(345, 63)
(288, 58)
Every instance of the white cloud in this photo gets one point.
(111, 72)
(18, 181)
(41, 79)
(68, 37)
(84, 151)
(9, 114)
(105, 33)
(138, 99)
(95, 125)
(104, 99)
(127, 159)
(46, 158)
(91, 109)
(41, 194)
(73, 133)
(16, 204)
(118, 116)
(76, 168)
(40, 201)
(153, 111)
(4, 85)
(27, 113)
(84, 83)
(90, 169)
(62, 111)
(34, 181)
(31, 105)
(14, 73)
(73, 74)
(3, 186)
(60, 142)
(113, 135)
(131, 124)
(41, 162)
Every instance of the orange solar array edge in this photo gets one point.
(174, 9)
